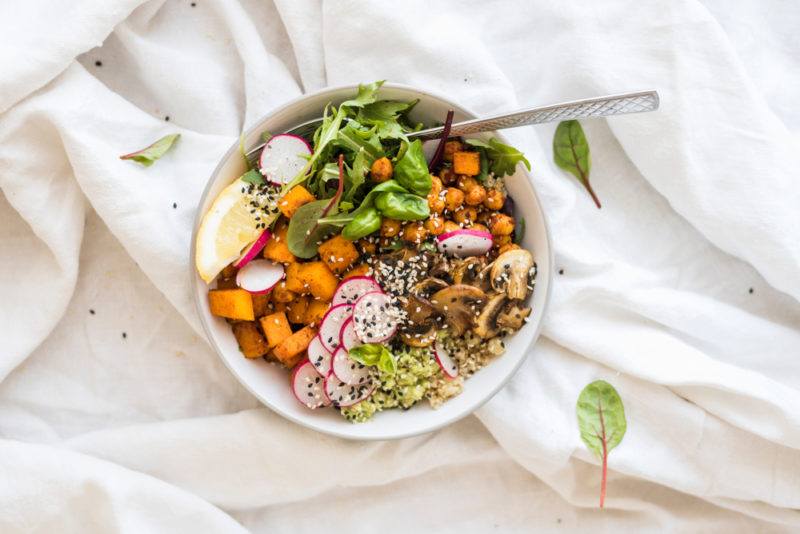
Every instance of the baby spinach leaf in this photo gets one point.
(253, 177)
(367, 94)
(412, 170)
(368, 202)
(149, 155)
(362, 224)
(503, 158)
(601, 421)
(402, 206)
(571, 153)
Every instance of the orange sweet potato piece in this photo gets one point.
(296, 310)
(315, 311)
(277, 248)
(468, 163)
(362, 269)
(293, 281)
(282, 294)
(320, 280)
(260, 305)
(338, 253)
(231, 304)
(276, 328)
(291, 349)
(296, 197)
(251, 342)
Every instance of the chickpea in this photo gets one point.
(499, 241)
(390, 227)
(450, 226)
(476, 196)
(366, 246)
(451, 147)
(494, 200)
(414, 233)
(381, 170)
(483, 216)
(435, 225)
(435, 203)
(447, 176)
(501, 224)
(466, 183)
(453, 198)
(436, 185)
(480, 227)
(466, 215)
(507, 247)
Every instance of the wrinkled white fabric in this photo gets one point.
(682, 290)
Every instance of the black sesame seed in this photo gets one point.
(166, 118)
(124, 335)
(91, 311)
(561, 271)
(174, 205)
(750, 290)
(98, 63)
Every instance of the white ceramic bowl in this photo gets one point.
(270, 383)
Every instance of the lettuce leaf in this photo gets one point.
(367, 94)
(150, 154)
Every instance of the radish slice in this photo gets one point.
(259, 276)
(464, 243)
(448, 365)
(283, 157)
(375, 317)
(349, 371)
(429, 149)
(353, 289)
(319, 356)
(253, 250)
(331, 325)
(347, 335)
(308, 386)
(342, 395)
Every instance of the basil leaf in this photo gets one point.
(367, 94)
(149, 155)
(601, 421)
(402, 206)
(363, 224)
(412, 170)
(387, 364)
(571, 153)
(503, 158)
(304, 231)
(368, 354)
(253, 177)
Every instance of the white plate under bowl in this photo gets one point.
(270, 383)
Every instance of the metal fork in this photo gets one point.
(601, 106)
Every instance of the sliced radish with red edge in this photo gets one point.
(347, 335)
(331, 325)
(349, 371)
(343, 395)
(259, 276)
(308, 386)
(464, 242)
(253, 250)
(353, 289)
(448, 365)
(375, 317)
(319, 356)
(283, 157)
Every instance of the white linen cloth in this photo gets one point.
(682, 291)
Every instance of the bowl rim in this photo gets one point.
(261, 398)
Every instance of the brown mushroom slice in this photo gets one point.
(428, 287)
(419, 335)
(513, 316)
(459, 304)
(511, 271)
(468, 270)
(486, 324)
(418, 309)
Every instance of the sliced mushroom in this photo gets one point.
(468, 270)
(419, 335)
(459, 304)
(486, 324)
(510, 273)
(513, 316)
(418, 309)
(441, 269)
(428, 287)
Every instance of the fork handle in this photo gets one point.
(602, 106)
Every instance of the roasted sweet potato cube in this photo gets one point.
(282, 294)
(276, 328)
(296, 197)
(315, 311)
(362, 269)
(292, 349)
(227, 283)
(320, 280)
(296, 310)
(338, 253)
(293, 281)
(231, 304)
(450, 148)
(260, 304)
(277, 248)
(467, 163)
(251, 342)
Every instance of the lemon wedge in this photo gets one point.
(226, 229)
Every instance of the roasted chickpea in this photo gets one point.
(434, 225)
(447, 176)
(453, 198)
(483, 216)
(451, 147)
(435, 203)
(466, 215)
(390, 227)
(480, 227)
(414, 233)
(381, 170)
(366, 246)
(450, 226)
(476, 196)
(436, 185)
(499, 241)
(501, 224)
(507, 247)
(494, 200)
(466, 183)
